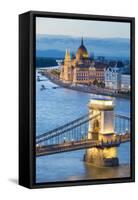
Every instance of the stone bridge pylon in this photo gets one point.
(101, 129)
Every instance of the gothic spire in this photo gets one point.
(82, 41)
(67, 55)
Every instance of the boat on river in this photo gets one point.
(55, 87)
(43, 87)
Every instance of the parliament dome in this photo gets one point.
(82, 51)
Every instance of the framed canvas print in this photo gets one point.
(76, 99)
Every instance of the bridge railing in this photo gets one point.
(82, 144)
(78, 129)
(71, 130)
(122, 123)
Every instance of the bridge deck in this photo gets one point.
(82, 144)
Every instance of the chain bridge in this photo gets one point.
(74, 136)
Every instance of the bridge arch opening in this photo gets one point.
(96, 129)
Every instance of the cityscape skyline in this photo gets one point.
(96, 129)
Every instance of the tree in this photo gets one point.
(102, 84)
(95, 82)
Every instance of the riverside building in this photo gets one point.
(81, 68)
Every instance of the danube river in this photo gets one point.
(55, 107)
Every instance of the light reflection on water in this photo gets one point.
(55, 107)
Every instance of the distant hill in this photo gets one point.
(45, 62)
(55, 46)
(50, 53)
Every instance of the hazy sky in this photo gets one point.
(85, 28)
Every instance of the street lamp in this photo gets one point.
(64, 139)
(72, 140)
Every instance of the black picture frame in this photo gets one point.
(27, 98)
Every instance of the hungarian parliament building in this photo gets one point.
(81, 68)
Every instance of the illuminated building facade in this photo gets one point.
(113, 78)
(81, 68)
(125, 82)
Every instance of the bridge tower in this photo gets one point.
(101, 128)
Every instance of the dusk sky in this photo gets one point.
(86, 28)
